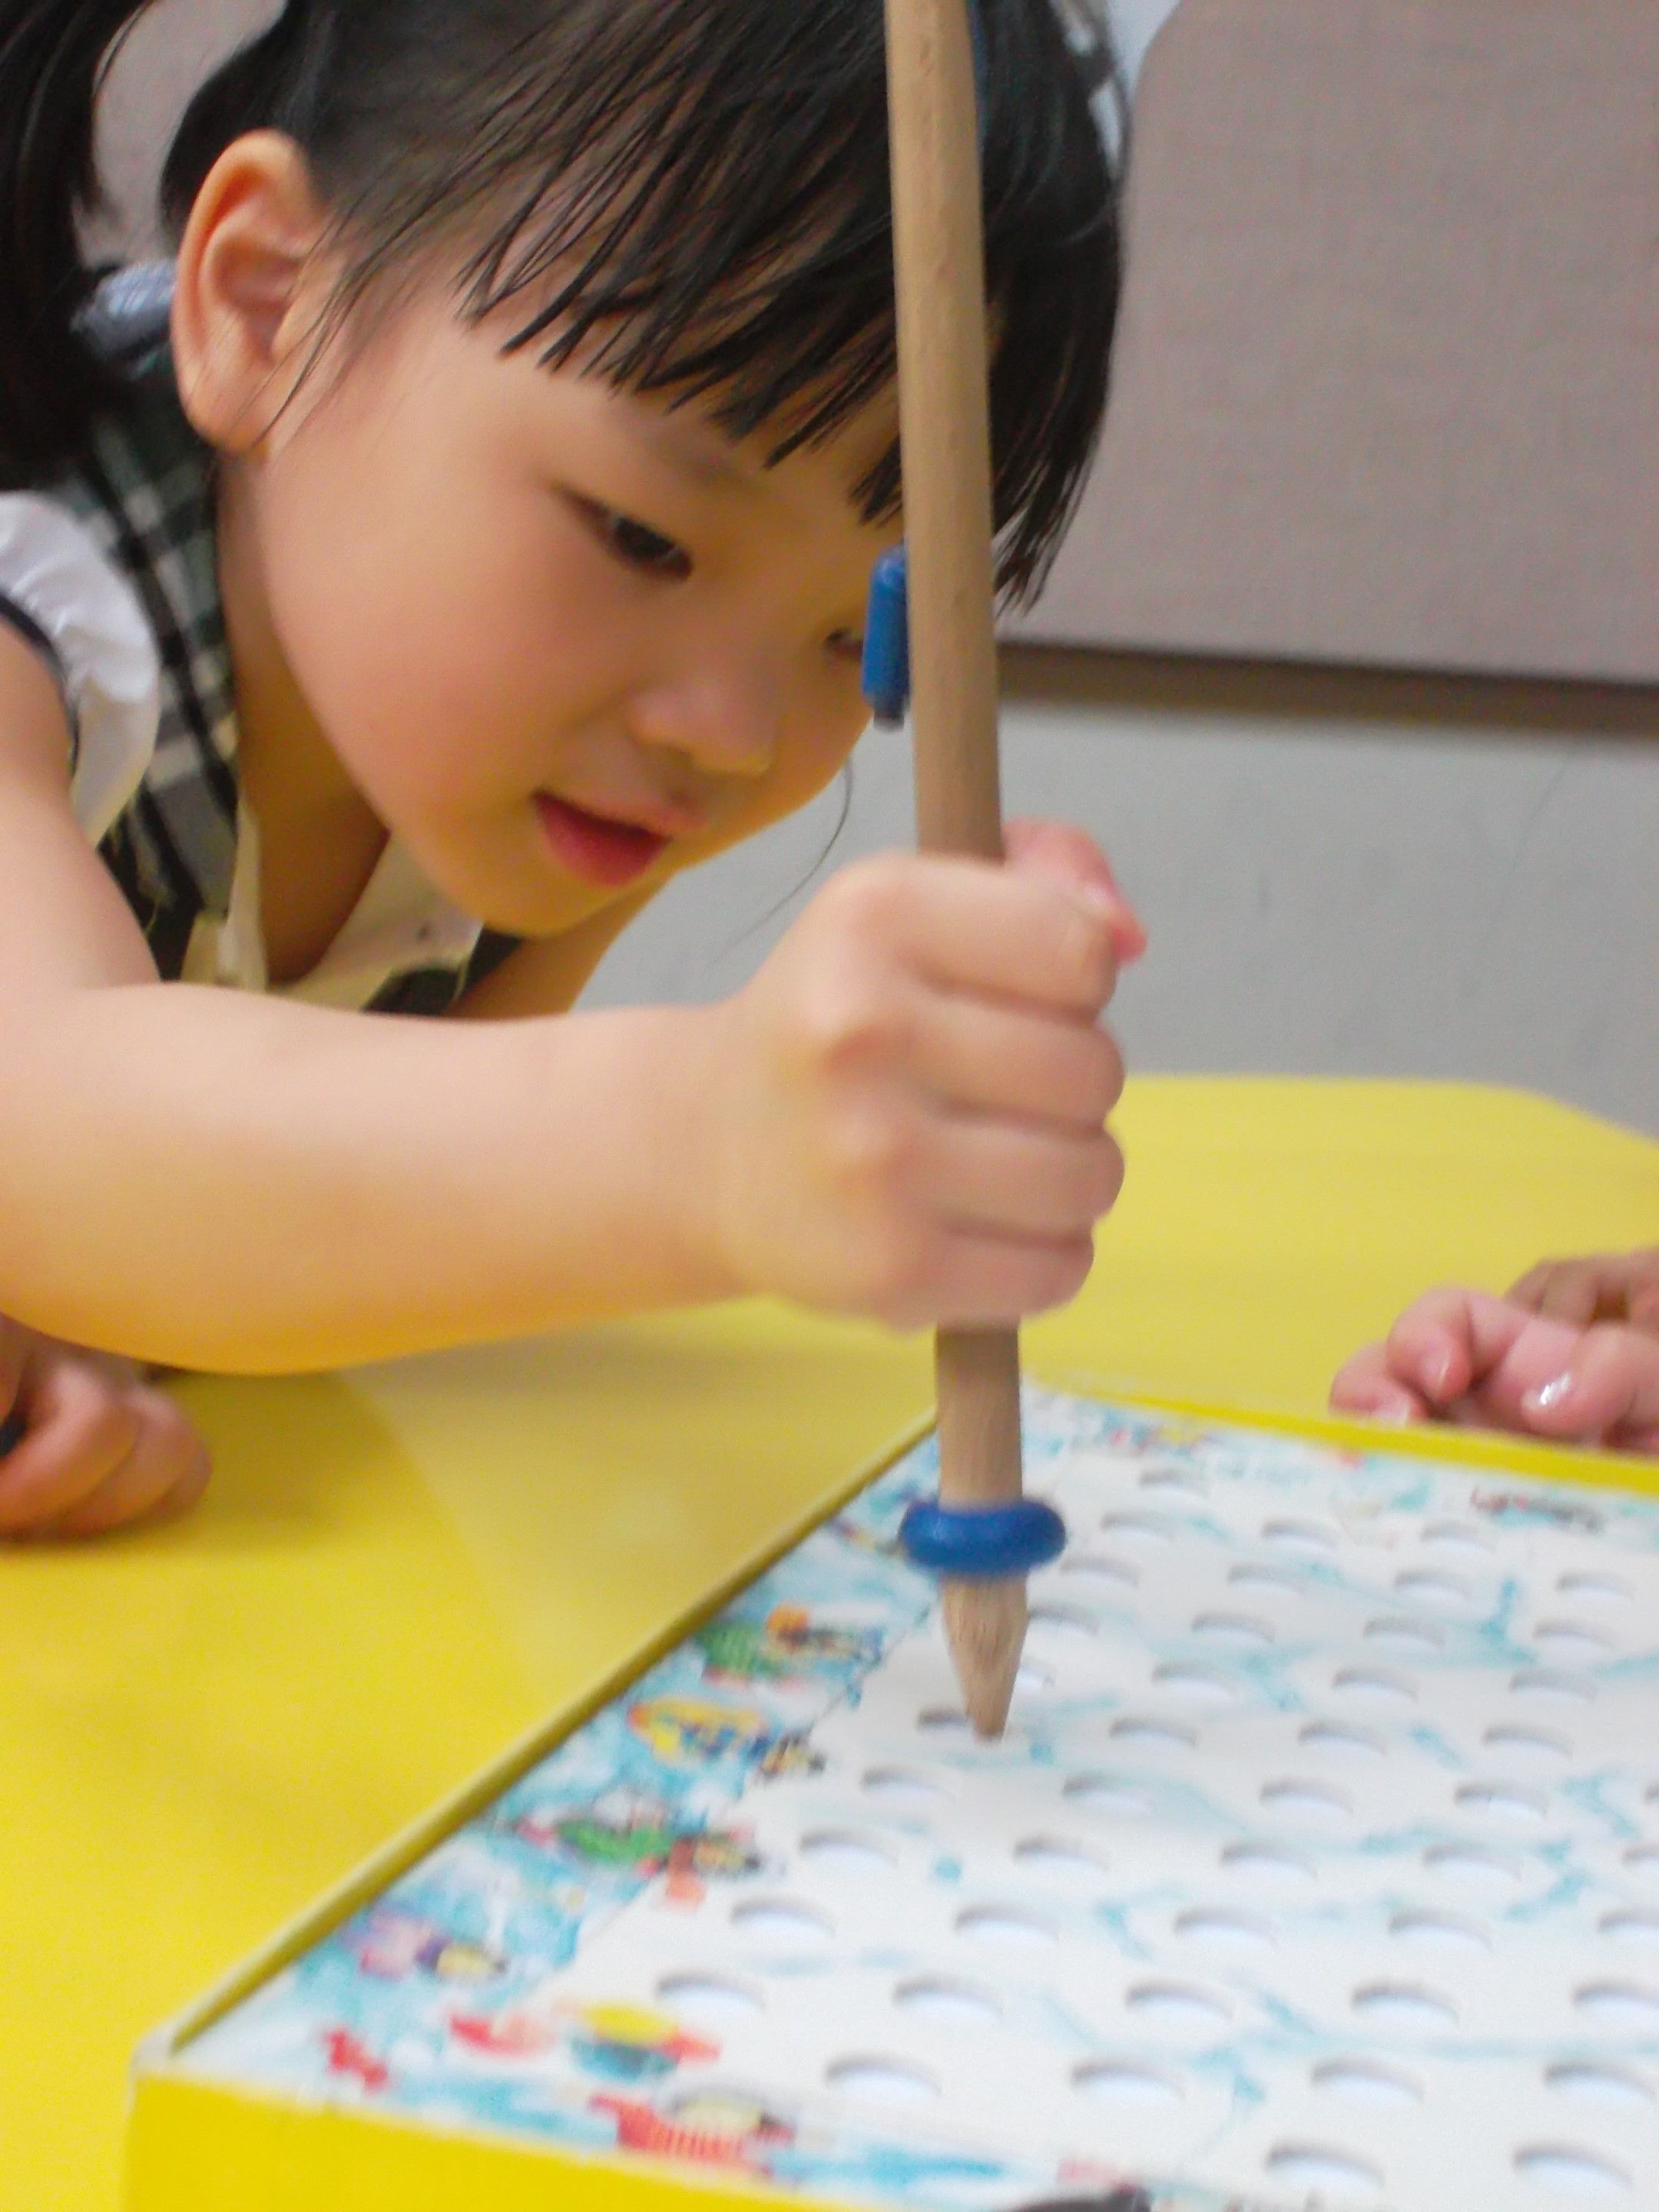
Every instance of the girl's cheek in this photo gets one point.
(816, 747)
(835, 728)
(455, 665)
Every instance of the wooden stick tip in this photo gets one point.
(985, 1629)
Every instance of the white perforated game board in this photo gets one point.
(1321, 1864)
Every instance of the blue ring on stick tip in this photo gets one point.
(982, 1543)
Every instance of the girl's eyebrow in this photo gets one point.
(704, 455)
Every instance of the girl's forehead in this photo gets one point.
(686, 439)
(689, 439)
(447, 366)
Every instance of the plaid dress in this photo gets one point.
(143, 493)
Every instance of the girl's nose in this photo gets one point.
(724, 722)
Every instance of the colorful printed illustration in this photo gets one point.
(347, 2055)
(629, 1832)
(858, 1535)
(624, 2043)
(1293, 1806)
(398, 1943)
(788, 1646)
(681, 1731)
(1523, 1506)
(790, 1752)
(705, 2128)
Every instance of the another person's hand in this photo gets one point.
(905, 1109)
(1617, 1286)
(96, 1446)
(1494, 1363)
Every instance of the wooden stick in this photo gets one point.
(940, 263)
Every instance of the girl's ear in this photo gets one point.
(252, 280)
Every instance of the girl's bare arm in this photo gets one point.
(213, 1180)
(900, 1116)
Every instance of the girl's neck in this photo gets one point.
(320, 841)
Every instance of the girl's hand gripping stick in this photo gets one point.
(982, 1535)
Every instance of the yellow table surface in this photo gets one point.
(398, 1570)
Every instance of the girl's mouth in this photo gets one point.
(598, 850)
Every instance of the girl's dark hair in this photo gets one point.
(692, 192)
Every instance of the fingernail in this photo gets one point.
(1548, 1395)
(1439, 1373)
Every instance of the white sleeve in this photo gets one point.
(53, 572)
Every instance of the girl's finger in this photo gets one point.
(999, 1179)
(988, 930)
(164, 1474)
(79, 1433)
(996, 1282)
(999, 1060)
(1061, 850)
(1609, 1387)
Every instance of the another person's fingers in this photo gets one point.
(1562, 1290)
(1446, 1340)
(1601, 1287)
(14, 1344)
(1474, 1357)
(79, 1431)
(1642, 1296)
(1527, 1289)
(164, 1474)
(1366, 1385)
(1607, 1390)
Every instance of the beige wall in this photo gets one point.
(1326, 894)
(170, 50)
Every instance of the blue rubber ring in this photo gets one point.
(980, 1543)
(885, 677)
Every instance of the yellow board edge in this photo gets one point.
(412, 1843)
(1499, 1450)
(195, 2147)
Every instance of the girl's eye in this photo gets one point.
(637, 545)
(845, 645)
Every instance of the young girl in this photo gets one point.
(476, 535)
